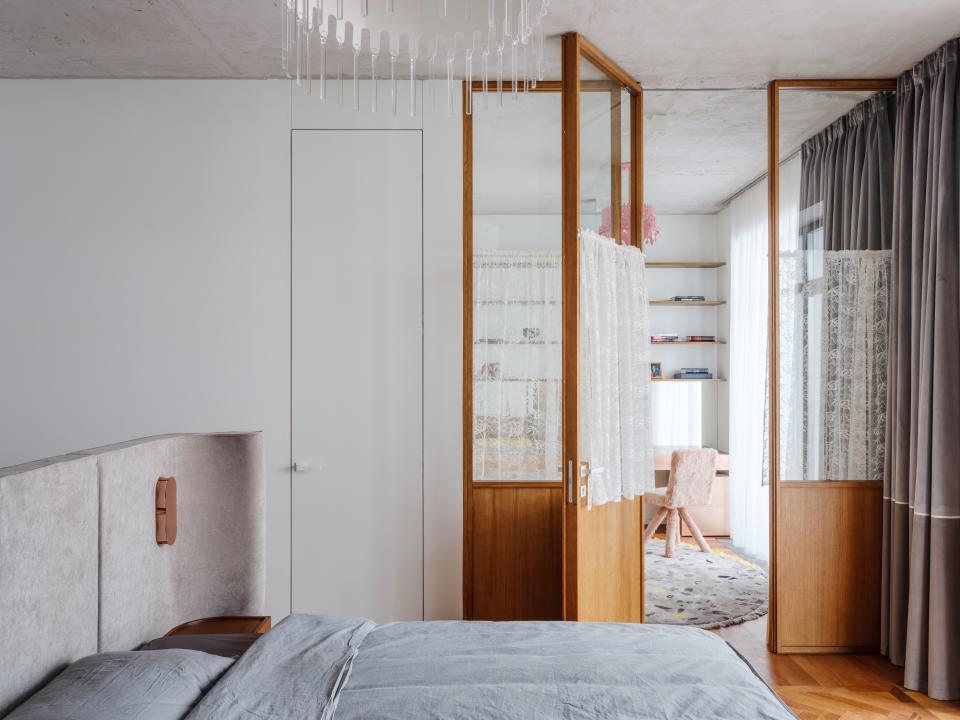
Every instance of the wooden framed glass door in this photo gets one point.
(532, 548)
(602, 131)
(830, 189)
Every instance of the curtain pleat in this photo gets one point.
(921, 529)
(847, 179)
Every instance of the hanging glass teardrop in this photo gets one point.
(323, 65)
(356, 79)
(373, 81)
(468, 69)
(393, 82)
(413, 87)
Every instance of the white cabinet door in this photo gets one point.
(357, 375)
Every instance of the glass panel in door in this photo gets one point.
(835, 221)
(517, 283)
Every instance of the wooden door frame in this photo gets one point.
(575, 48)
(773, 226)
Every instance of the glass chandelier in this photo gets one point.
(401, 40)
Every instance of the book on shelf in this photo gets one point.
(669, 338)
(693, 374)
(688, 298)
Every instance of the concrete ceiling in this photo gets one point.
(663, 43)
(700, 146)
(140, 38)
(745, 43)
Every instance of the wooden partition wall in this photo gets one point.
(533, 550)
(825, 536)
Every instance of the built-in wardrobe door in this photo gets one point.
(357, 429)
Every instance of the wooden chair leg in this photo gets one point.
(672, 531)
(654, 523)
(694, 530)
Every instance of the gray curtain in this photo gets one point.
(921, 532)
(846, 179)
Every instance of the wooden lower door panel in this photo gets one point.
(610, 562)
(828, 567)
(517, 553)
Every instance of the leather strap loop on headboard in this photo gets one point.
(217, 564)
(166, 511)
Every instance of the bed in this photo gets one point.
(333, 668)
(308, 666)
(353, 669)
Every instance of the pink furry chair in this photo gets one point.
(691, 480)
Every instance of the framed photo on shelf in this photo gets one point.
(656, 370)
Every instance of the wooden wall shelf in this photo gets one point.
(691, 342)
(704, 303)
(698, 264)
(662, 379)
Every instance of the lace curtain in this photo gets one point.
(615, 418)
(517, 366)
(855, 329)
(834, 363)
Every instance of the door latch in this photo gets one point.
(585, 473)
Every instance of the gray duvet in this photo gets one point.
(349, 669)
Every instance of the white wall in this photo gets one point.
(145, 281)
(688, 238)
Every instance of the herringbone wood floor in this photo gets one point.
(835, 687)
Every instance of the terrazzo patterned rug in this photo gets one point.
(707, 590)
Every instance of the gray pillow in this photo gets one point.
(146, 685)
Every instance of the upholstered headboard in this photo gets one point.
(81, 571)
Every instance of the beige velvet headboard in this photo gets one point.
(81, 571)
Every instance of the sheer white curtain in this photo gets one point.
(517, 366)
(749, 496)
(678, 408)
(795, 323)
(615, 383)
